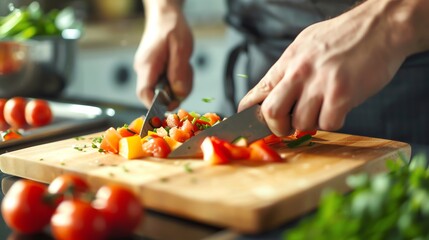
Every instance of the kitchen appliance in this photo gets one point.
(246, 196)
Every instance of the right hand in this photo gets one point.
(166, 46)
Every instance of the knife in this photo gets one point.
(249, 124)
(162, 98)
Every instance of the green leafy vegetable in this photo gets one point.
(29, 22)
(393, 205)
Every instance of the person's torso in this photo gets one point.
(281, 18)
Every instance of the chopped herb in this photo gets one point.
(100, 150)
(125, 169)
(125, 125)
(242, 75)
(79, 138)
(79, 148)
(202, 118)
(208, 100)
(101, 164)
(97, 140)
(300, 141)
(188, 168)
(164, 179)
(62, 163)
(194, 120)
(41, 159)
(194, 114)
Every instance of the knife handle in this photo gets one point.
(164, 87)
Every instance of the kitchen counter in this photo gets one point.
(155, 223)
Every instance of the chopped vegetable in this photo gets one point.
(131, 147)
(393, 205)
(304, 140)
(260, 151)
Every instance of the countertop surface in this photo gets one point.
(155, 224)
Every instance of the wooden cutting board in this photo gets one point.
(245, 197)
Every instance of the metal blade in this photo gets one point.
(249, 124)
(158, 109)
(163, 97)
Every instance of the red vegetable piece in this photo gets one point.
(299, 133)
(156, 122)
(260, 151)
(157, 147)
(214, 151)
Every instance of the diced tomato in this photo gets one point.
(237, 152)
(214, 152)
(173, 120)
(157, 147)
(260, 151)
(272, 139)
(299, 133)
(179, 135)
(188, 127)
(201, 124)
(125, 131)
(212, 117)
(184, 115)
(156, 122)
(172, 143)
(110, 142)
(136, 125)
(10, 134)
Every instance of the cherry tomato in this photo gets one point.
(2, 103)
(121, 209)
(157, 147)
(10, 134)
(38, 113)
(25, 207)
(68, 186)
(125, 131)
(14, 112)
(77, 219)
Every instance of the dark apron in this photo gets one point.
(398, 112)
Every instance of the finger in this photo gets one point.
(333, 113)
(147, 76)
(180, 72)
(258, 93)
(307, 109)
(148, 69)
(278, 106)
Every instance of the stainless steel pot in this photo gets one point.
(37, 67)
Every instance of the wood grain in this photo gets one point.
(246, 197)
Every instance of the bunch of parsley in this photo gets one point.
(392, 205)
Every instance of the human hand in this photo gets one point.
(166, 46)
(331, 67)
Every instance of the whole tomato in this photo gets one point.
(121, 209)
(38, 113)
(77, 219)
(2, 120)
(25, 207)
(14, 112)
(68, 186)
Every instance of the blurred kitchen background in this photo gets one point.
(102, 70)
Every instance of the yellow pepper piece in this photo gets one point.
(131, 147)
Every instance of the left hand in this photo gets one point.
(330, 68)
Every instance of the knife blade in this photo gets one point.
(249, 124)
(162, 98)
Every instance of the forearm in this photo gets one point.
(407, 21)
(157, 6)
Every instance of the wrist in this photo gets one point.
(160, 7)
(407, 21)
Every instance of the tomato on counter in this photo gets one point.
(14, 112)
(38, 113)
(78, 219)
(120, 207)
(25, 208)
(2, 120)
(71, 209)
